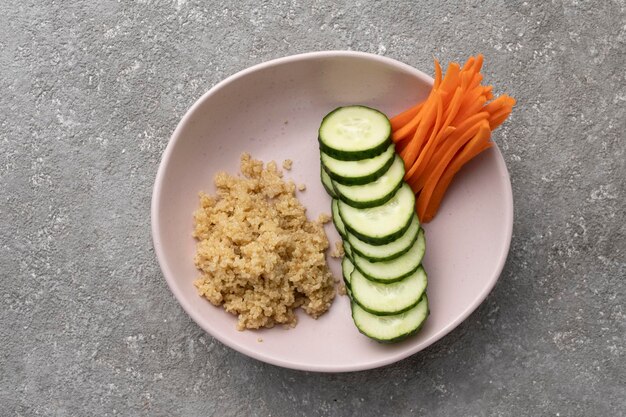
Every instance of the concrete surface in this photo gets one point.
(91, 92)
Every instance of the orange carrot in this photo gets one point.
(437, 136)
(478, 63)
(425, 153)
(457, 163)
(447, 152)
(498, 117)
(470, 97)
(405, 117)
(469, 63)
(409, 154)
(451, 78)
(400, 146)
(466, 77)
(476, 79)
(467, 123)
(471, 108)
(447, 132)
(496, 104)
(453, 107)
(487, 92)
(437, 74)
(408, 130)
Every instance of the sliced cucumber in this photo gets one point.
(354, 132)
(381, 224)
(388, 299)
(347, 249)
(361, 171)
(389, 251)
(376, 192)
(334, 210)
(347, 267)
(396, 269)
(374, 212)
(389, 329)
(327, 182)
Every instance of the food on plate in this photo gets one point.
(392, 328)
(381, 224)
(338, 252)
(354, 133)
(436, 137)
(373, 210)
(258, 255)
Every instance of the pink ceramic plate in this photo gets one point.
(273, 110)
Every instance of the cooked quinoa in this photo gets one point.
(323, 218)
(341, 290)
(258, 255)
(338, 252)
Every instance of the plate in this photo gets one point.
(273, 111)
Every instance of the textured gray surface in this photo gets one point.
(91, 92)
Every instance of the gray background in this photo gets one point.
(91, 92)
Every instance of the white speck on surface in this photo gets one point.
(604, 192)
(132, 343)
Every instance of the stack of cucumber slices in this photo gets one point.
(373, 210)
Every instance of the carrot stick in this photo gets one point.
(437, 136)
(467, 123)
(428, 146)
(419, 140)
(466, 78)
(498, 117)
(457, 163)
(478, 63)
(412, 176)
(405, 117)
(409, 154)
(476, 79)
(453, 107)
(470, 97)
(487, 92)
(409, 129)
(447, 132)
(450, 81)
(400, 146)
(437, 74)
(496, 104)
(446, 153)
(469, 63)
(471, 109)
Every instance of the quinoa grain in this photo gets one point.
(258, 255)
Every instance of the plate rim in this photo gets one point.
(259, 355)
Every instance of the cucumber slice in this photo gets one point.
(354, 132)
(334, 210)
(361, 171)
(347, 267)
(396, 269)
(381, 224)
(389, 329)
(388, 299)
(347, 249)
(376, 192)
(327, 182)
(391, 250)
